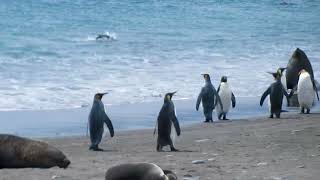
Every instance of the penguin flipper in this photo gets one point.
(315, 88)
(233, 100)
(107, 120)
(176, 124)
(199, 99)
(218, 99)
(284, 91)
(317, 84)
(264, 95)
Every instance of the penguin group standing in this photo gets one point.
(298, 76)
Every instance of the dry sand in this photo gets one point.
(254, 149)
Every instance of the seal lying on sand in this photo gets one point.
(18, 152)
(139, 171)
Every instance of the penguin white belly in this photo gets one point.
(284, 80)
(225, 96)
(305, 91)
(173, 130)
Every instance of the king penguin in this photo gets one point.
(97, 118)
(167, 116)
(306, 91)
(275, 92)
(207, 95)
(226, 96)
(282, 72)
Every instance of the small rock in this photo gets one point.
(198, 162)
(202, 140)
(55, 177)
(262, 164)
(302, 166)
(187, 175)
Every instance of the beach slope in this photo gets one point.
(253, 149)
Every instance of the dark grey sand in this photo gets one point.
(254, 149)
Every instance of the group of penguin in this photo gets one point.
(297, 76)
(211, 98)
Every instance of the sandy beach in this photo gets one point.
(252, 149)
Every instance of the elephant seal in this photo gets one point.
(18, 152)
(139, 171)
(297, 62)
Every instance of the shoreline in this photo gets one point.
(73, 122)
(249, 149)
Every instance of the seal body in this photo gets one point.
(227, 97)
(275, 92)
(306, 92)
(207, 96)
(97, 118)
(139, 171)
(18, 152)
(297, 62)
(166, 118)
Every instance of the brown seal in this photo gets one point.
(18, 152)
(139, 171)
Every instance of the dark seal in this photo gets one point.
(139, 171)
(18, 152)
(297, 62)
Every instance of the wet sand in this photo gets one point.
(252, 149)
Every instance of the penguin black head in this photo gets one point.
(99, 96)
(281, 70)
(224, 79)
(168, 96)
(206, 77)
(276, 75)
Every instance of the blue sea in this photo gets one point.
(49, 58)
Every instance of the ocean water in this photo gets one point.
(49, 58)
(51, 64)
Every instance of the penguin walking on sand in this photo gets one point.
(166, 118)
(275, 92)
(226, 96)
(97, 118)
(306, 91)
(207, 95)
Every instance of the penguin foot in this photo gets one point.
(206, 121)
(95, 149)
(174, 150)
(271, 116)
(308, 111)
(225, 119)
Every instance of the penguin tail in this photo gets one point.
(155, 129)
